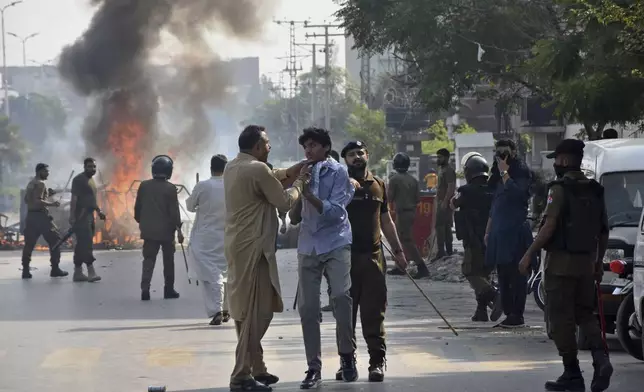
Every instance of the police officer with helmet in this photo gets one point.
(404, 192)
(369, 216)
(157, 211)
(473, 202)
(574, 233)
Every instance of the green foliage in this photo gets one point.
(12, 147)
(438, 132)
(440, 136)
(584, 56)
(370, 127)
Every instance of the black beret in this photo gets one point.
(352, 146)
(568, 146)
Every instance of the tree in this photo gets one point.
(440, 136)
(554, 49)
(13, 149)
(370, 127)
(38, 117)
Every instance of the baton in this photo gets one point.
(423, 293)
(70, 231)
(185, 260)
(602, 321)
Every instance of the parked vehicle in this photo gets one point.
(617, 165)
(638, 281)
(627, 325)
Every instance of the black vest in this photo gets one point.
(580, 220)
(472, 216)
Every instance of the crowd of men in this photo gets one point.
(343, 212)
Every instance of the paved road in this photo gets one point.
(61, 336)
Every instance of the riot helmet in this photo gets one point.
(162, 166)
(475, 166)
(401, 162)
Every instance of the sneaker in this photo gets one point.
(267, 378)
(348, 366)
(496, 304)
(396, 272)
(217, 320)
(250, 385)
(312, 380)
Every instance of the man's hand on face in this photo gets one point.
(503, 163)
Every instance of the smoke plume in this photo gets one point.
(111, 63)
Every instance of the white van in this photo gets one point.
(638, 277)
(618, 164)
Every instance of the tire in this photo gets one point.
(539, 294)
(624, 329)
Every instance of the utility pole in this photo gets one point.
(292, 69)
(314, 81)
(24, 45)
(327, 67)
(5, 84)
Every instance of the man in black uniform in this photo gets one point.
(575, 236)
(156, 209)
(474, 201)
(81, 218)
(39, 222)
(369, 214)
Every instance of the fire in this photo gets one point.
(125, 139)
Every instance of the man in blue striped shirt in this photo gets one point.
(324, 245)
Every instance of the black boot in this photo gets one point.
(422, 271)
(376, 369)
(571, 380)
(495, 302)
(169, 293)
(26, 274)
(145, 295)
(603, 371)
(56, 272)
(481, 310)
(396, 271)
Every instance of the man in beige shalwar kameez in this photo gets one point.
(253, 193)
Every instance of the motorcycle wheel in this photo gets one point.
(539, 294)
(627, 333)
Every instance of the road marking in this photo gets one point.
(169, 357)
(83, 358)
(423, 363)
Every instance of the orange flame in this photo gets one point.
(125, 139)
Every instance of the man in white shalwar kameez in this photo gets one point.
(206, 249)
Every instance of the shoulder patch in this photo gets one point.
(549, 196)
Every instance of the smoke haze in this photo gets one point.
(110, 62)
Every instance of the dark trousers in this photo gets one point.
(38, 224)
(444, 238)
(150, 252)
(84, 230)
(513, 288)
(570, 303)
(369, 294)
(404, 226)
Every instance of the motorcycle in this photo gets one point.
(535, 283)
(627, 326)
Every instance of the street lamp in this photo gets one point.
(24, 45)
(4, 58)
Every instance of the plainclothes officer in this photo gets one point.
(369, 215)
(157, 211)
(444, 214)
(404, 192)
(40, 222)
(575, 236)
(474, 201)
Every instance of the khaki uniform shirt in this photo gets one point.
(36, 194)
(404, 191)
(560, 262)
